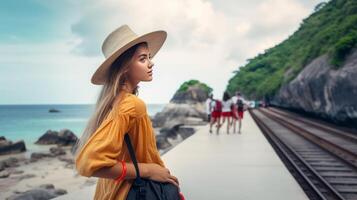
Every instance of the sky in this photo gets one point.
(50, 49)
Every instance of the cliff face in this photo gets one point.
(313, 69)
(323, 91)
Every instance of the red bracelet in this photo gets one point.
(123, 172)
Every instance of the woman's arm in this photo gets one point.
(147, 170)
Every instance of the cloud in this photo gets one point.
(207, 40)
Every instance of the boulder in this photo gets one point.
(194, 94)
(8, 147)
(172, 132)
(173, 113)
(9, 162)
(185, 103)
(43, 192)
(64, 137)
(39, 155)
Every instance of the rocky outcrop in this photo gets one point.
(9, 162)
(177, 132)
(46, 191)
(64, 137)
(54, 151)
(195, 94)
(186, 107)
(189, 114)
(8, 147)
(323, 91)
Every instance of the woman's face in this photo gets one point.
(141, 66)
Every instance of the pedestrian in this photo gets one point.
(234, 111)
(209, 107)
(227, 110)
(241, 107)
(216, 115)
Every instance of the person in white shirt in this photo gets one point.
(209, 107)
(226, 111)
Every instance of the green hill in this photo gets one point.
(331, 29)
(185, 86)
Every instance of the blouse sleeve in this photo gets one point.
(104, 146)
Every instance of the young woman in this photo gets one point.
(234, 112)
(216, 115)
(227, 110)
(101, 151)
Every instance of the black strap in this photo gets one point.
(132, 155)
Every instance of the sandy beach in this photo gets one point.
(47, 170)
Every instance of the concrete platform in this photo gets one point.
(235, 166)
(228, 167)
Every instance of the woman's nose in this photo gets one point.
(151, 64)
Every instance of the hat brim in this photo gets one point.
(155, 40)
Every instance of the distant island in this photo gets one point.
(52, 110)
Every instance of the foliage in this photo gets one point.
(331, 30)
(186, 85)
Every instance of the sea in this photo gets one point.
(29, 122)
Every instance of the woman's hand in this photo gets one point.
(155, 172)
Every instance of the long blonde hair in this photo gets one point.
(116, 80)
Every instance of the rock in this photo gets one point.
(9, 162)
(172, 132)
(194, 94)
(63, 138)
(66, 159)
(162, 142)
(186, 132)
(8, 147)
(185, 103)
(17, 172)
(4, 174)
(25, 176)
(2, 166)
(43, 192)
(52, 110)
(173, 113)
(56, 151)
(323, 91)
(39, 155)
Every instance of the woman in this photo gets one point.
(101, 151)
(234, 112)
(227, 110)
(216, 115)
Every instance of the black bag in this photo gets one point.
(146, 189)
(240, 105)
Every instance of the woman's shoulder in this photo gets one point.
(130, 104)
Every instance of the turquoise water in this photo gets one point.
(29, 122)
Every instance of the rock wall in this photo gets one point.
(323, 91)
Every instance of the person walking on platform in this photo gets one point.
(234, 111)
(216, 115)
(241, 107)
(209, 107)
(227, 105)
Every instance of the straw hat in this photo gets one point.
(121, 40)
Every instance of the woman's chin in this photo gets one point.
(148, 79)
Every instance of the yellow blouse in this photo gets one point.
(107, 145)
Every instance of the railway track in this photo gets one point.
(324, 167)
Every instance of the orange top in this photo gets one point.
(107, 145)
